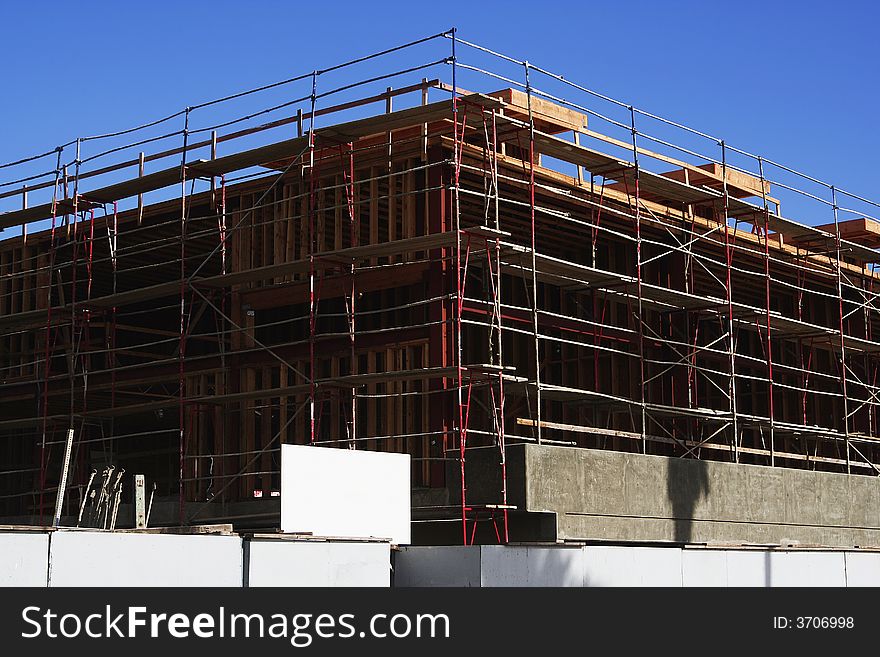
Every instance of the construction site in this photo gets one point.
(582, 321)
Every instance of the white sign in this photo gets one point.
(342, 492)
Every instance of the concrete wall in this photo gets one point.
(614, 565)
(607, 495)
(272, 562)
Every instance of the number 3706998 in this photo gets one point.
(813, 622)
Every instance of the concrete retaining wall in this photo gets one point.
(619, 496)
(614, 565)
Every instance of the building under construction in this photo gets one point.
(581, 320)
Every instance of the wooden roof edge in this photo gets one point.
(258, 156)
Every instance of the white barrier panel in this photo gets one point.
(532, 566)
(86, 558)
(24, 559)
(703, 568)
(438, 565)
(622, 565)
(614, 565)
(862, 568)
(749, 568)
(807, 568)
(343, 492)
(537, 566)
(90, 558)
(313, 563)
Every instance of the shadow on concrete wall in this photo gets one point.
(687, 480)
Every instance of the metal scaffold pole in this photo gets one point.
(459, 294)
(313, 300)
(842, 326)
(181, 349)
(47, 352)
(534, 252)
(767, 301)
(640, 320)
(728, 295)
(354, 240)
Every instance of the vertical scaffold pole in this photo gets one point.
(312, 299)
(47, 352)
(73, 281)
(731, 386)
(224, 375)
(870, 373)
(834, 208)
(462, 428)
(354, 229)
(770, 408)
(534, 256)
(140, 207)
(74, 344)
(496, 327)
(641, 317)
(111, 343)
(181, 406)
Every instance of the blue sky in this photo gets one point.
(795, 82)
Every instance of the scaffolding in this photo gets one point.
(454, 275)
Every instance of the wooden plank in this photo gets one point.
(264, 235)
(739, 184)
(340, 212)
(28, 276)
(42, 279)
(549, 117)
(291, 221)
(266, 433)
(391, 217)
(372, 401)
(374, 210)
(5, 283)
(248, 420)
(283, 401)
(391, 418)
(334, 416)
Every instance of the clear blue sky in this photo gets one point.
(796, 82)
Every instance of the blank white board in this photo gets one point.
(342, 492)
